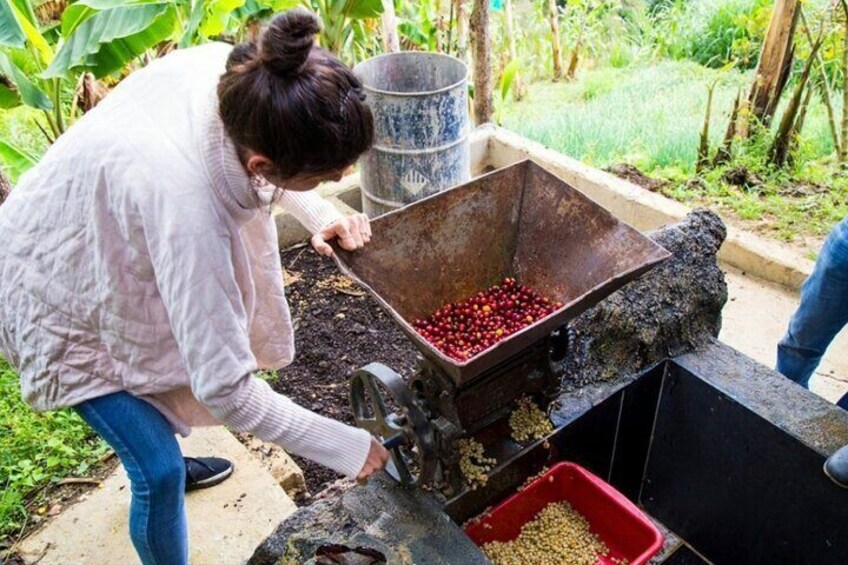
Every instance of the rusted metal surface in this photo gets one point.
(520, 221)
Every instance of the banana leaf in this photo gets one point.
(14, 84)
(16, 161)
(107, 40)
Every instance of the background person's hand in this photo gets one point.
(353, 233)
(377, 458)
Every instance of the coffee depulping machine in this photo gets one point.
(522, 222)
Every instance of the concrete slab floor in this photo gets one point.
(225, 523)
(755, 318)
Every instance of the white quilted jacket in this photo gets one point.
(136, 256)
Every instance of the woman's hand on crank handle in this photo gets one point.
(377, 458)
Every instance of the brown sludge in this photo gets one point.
(558, 535)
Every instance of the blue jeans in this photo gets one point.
(145, 444)
(823, 312)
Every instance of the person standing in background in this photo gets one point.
(822, 314)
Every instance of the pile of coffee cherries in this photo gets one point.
(463, 329)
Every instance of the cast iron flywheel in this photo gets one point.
(406, 432)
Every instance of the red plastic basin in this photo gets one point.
(625, 529)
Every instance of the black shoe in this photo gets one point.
(836, 467)
(205, 472)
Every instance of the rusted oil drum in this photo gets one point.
(421, 128)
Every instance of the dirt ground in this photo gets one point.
(338, 328)
(637, 177)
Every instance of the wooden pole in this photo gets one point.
(391, 40)
(510, 30)
(482, 62)
(518, 88)
(440, 29)
(773, 60)
(461, 30)
(553, 16)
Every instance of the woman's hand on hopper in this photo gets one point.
(353, 233)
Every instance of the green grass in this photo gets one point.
(651, 117)
(805, 201)
(35, 451)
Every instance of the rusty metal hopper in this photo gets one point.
(520, 221)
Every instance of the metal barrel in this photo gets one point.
(421, 127)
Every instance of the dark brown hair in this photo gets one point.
(294, 102)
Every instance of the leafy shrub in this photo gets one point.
(35, 450)
(733, 32)
(711, 32)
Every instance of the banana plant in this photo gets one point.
(42, 70)
(343, 22)
(338, 19)
(418, 26)
(505, 85)
(232, 19)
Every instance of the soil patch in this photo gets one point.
(637, 177)
(338, 329)
(743, 178)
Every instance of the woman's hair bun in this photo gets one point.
(285, 44)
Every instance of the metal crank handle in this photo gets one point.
(395, 441)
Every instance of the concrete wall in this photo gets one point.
(646, 210)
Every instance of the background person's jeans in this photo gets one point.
(823, 312)
(145, 444)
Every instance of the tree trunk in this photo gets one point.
(795, 135)
(440, 29)
(774, 58)
(391, 40)
(461, 30)
(5, 186)
(742, 120)
(802, 115)
(575, 54)
(482, 62)
(518, 89)
(704, 145)
(509, 26)
(827, 100)
(779, 151)
(555, 43)
(724, 152)
(825, 88)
